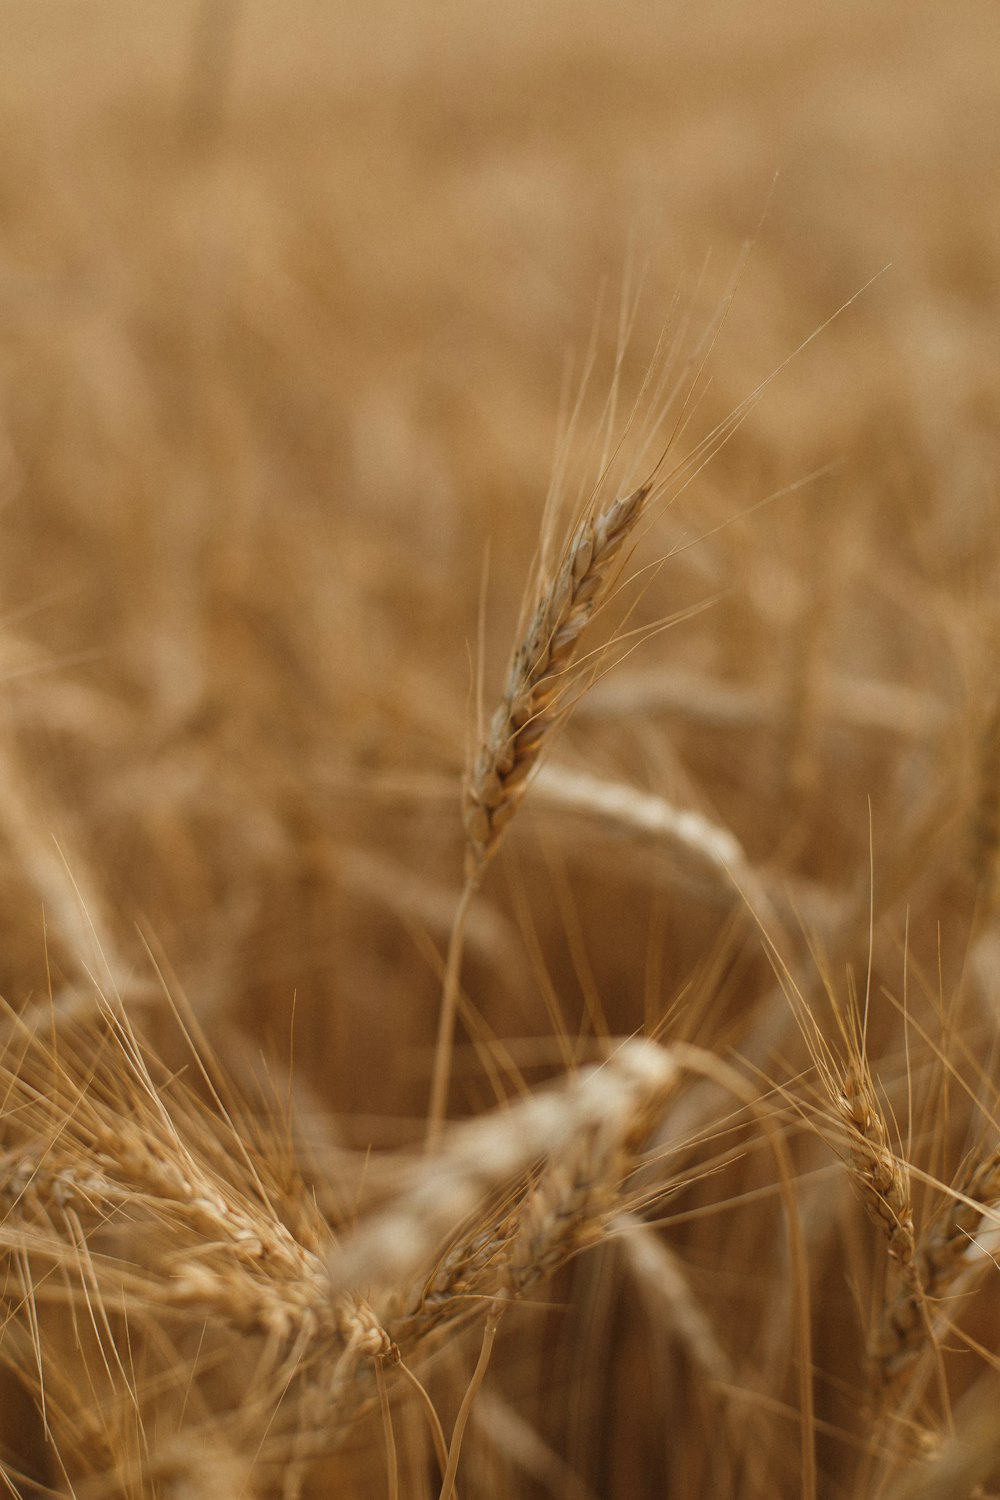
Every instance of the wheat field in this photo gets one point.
(500, 957)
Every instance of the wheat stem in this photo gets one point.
(461, 1421)
(392, 1458)
(450, 991)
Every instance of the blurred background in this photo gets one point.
(292, 299)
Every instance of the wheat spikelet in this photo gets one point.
(984, 830)
(566, 1205)
(945, 1253)
(141, 1221)
(882, 1181)
(535, 698)
(880, 1176)
(134, 1212)
(948, 1248)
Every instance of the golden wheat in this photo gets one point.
(288, 299)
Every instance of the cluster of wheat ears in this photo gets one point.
(199, 1301)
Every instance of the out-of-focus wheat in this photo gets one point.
(286, 304)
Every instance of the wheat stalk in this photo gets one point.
(984, 823)
(536, 701)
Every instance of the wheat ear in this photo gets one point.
(650, 817)
(943, 1255)
(594, 1121)
(880, 1176)
(510, 1197)
(536, 701)
(882, 1181)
